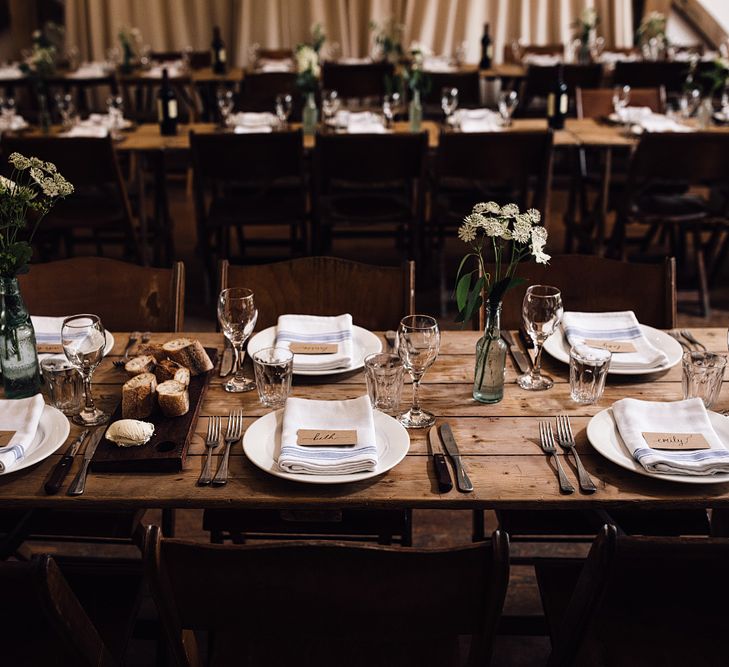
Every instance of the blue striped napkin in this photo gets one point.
(22, 416)
(315, 329)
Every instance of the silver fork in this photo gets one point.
(566, 441)
(546, 437)
(211, 442)
(233, 434)
(133, 338)
(691, 339)
(678, 337)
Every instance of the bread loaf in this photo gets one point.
(173, 398)
(138, 396)
(139, 365)
(189, 353)
(171, 370)
(153, 349)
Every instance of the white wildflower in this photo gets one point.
(37, 175)
(480, 207)
(493, 207)
(589, 17)
(510, 210)
(19, 161)
(540, 257)
(496, 227)
(522, 232)
(534, 216)
(466, 233)
(307, 60)
(474, 220)
(539, 236)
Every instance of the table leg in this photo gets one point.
(142, 211)
(605, 196)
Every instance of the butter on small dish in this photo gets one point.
(130, 432)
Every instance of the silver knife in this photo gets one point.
(520, 358)
(226, 362)
(79, 483)
(464, 483)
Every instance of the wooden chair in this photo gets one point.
(590, 283)
(99, 207)
(45, 623)
(327, 286)
(531, 49)
(356, 81)
(126, 297)
(657, 196)
(540, 81)
(259, 91)
(649, 74)
(639, 601)
(248, 180)
(327, 604)
(367, 184)
(598, 102)
(198, 59)
(467, 83)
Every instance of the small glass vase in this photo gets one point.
(310, 114)
(415, 112)
(488, 379)
(44, 115)
(18, 353)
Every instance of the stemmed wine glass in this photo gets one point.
(284, 105)
(237, 314)
(226, 102)
(541, 311)
(390, 106)
(689, 102)
(508, 101)
(419, 342)
(621, 99)
(330, 104)
(66, 109)
(449, 102)
(83, 340)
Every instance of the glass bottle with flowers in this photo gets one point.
(585, 28)
(40, 65)
(419, 83)
(130, 40)
(652, 36)
(33, 188)
(509, 237)
(387, 38)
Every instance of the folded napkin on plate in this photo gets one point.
(90, 71)
(315, 329)
(354, 61)
(656, 122)
(363, 122)
(91, 130)
(615, 326)
(47, 329)
(22, 416)
(353, 414)
(439, 64)
(11, 72)
(252, 129)
(284, 65)
(541, 60)
(633, 418)
(253, 119)
(634, 115)
(478, 120)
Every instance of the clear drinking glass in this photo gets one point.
(66, 108)
(83, 339)
(384, 374)
(226, 102)
(237, 314)
(589, 368)
(689, 102)
(621, 98)
(508, 101)
(330, 104)
(419, 343)
(65, 385)
(703, 373)
(284, 105)
(390, 106)
(274, 368)
(541, 311)
(115, 110)
(449, 102)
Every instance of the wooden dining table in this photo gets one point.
(499, 443)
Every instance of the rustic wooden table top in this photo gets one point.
(499, 443)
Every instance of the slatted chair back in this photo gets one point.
(356, 81)
(512, 55)
(648, 74)
(197, 59)
(661, 601)
(377, 297)
(45, 624)
(467, 83)
(598, 102)
(540, 81)
(590, 283)
(127, 297)
(260, 90)
(316, 594)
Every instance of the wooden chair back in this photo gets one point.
(274, 54)
(356, 81)
(261, 88)
(198, 59)
(45, 624)
(661, 601)
(315, 592)
(598, 102)
(540, 81)
(648, 74)
(127, 297)
(536, 49)
(590, 283)
(377, 297)
(467, 83)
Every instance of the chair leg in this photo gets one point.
(168, 522)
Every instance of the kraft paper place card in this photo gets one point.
(314, 348)
(309, 437)
(614, 346)
(6, 437)
(49, 348)
(678, 441)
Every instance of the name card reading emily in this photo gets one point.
(614, 346)
(314, 348)
(311, 437)
(676, 441)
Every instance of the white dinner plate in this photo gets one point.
(262, 442)
(52, 432)
(363, 343)
(603, 434)
(558, 347)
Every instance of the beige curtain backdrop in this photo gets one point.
(93, 25)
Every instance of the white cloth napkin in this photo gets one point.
(633, 418)
(656, 122)
(91, 130)
(478, 120)
(283, 65)
(354, 61)
(89, 71)
(22, 416)
(301, 413)
(619, 325)
(612, 57)
(48, 330)
(11, 72)
(105, 120)
(439, 64)
(315, 329)
(14, 122)
(634, 115)
(174, 69)
(541, 60)
(363, 122)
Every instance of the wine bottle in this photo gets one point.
(166, 107)
(558, 101)
(487, 49)
(218, 52)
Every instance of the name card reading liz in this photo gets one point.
(614, 346)
(680, 441)
(314, 348)
(326, 438)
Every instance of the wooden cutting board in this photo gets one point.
(167, 449)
